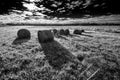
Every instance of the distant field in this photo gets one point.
(27, 60)
(22, 19)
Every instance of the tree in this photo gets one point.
(61, 7)
(6, 5)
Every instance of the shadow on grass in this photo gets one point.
(63, 37)
(86, 35)
(18, 41)
(56, 54)
(77, 35)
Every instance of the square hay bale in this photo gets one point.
(76, 31)
(62, 32)
(45, 36)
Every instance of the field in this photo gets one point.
(93, 55)
(31, 60)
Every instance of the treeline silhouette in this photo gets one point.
(68, 7)
(8, 5)
(65, 7)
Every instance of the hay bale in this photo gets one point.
(67, 32)
(42, 36)
(62, 32)
(45, 36)
(55, 31)
(23, 34)
(82, 30)
(80, 57)
(49, 34)
(77, 32)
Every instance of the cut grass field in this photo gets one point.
(31, 60)
(98, 46)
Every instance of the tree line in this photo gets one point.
(79, 6)
(8, 5)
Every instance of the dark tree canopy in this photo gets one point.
(6, 5)
(65, 7)
(58, 7)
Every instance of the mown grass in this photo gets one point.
(28, 61)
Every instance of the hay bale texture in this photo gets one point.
(55, 31)
(45, 36)
(67, 32)
(76, 31)
(61, 32)
(23, 34)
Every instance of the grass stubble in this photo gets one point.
(27, 61)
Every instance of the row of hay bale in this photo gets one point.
(67, 31)
(46, 35)
(61, 32)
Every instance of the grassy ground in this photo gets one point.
(31, 60)
(99, 46)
